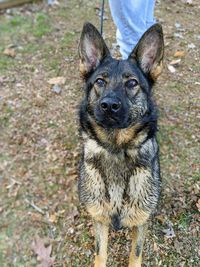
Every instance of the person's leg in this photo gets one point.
(130, 18)
(150, 20)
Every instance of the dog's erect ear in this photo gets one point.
(92, 49)
(149, 51)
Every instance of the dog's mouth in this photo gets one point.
(112, 122)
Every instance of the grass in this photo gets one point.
(184, 220)
(196, 177)
(42, 25)
(7, 114)
(68, 39)
(14, 30)
(38, 25)
(6, 63)
(30, 48)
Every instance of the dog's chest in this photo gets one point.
(117, 186)
(115, 176)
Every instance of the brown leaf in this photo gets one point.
(175, 62)
(179, 53)
(155, 247)
(57, 81)
(160, 218)
(39, 101)
(9, 52)
(43, 253)
(53, 218)
(198, 204)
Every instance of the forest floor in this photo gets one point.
(40, 147)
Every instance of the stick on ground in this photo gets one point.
(11, 3)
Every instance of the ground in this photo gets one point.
(39, 139)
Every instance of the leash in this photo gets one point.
(102, 13)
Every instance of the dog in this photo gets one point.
(119, 180)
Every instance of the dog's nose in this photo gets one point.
(110, 105)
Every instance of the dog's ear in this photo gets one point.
(92, 49)
(149, 51)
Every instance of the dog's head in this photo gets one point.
(118, 91)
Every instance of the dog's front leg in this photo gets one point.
(135, 258)
(101, 240)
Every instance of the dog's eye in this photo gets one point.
(100, 82)
(131, 83)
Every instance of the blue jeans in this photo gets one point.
(132, 18)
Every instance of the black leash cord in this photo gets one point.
(102, 13)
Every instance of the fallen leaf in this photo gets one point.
(71, 231)
(56, 89)
(177, 25)
(61, 211)
(73, 215)
(155, 247)
(160, 218)
(169, 232)
(189, 2)
(198, 204)
(178, 35)
(191, 46)
(179, 53)
(177, 246)
(43, 253)
(53, 218)
(2, 80)
(171, 68)
(39, 101)
(175, 62)
(57, 80)
(9, 52)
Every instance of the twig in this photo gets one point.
(11, 3)
(15, 181)
(34, 206)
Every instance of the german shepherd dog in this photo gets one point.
(119, 180)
